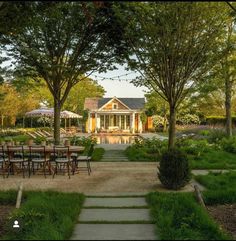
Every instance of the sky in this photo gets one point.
(122, 88)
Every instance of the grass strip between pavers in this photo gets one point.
(116, 207)
(117, 222)
(114, 196)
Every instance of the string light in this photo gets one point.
(117, 77)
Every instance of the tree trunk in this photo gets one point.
(228, 95)
(172, 121)
(57, 109)
(2, 121)
(165, 119)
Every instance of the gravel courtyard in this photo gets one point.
(106, 178)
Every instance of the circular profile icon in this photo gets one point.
(16, 224)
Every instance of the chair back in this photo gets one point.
(37, 152)
(15, 152)
(91, 149)
(2, 153)
(61, 152)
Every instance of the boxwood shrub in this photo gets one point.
(174, 171)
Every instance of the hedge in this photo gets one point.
(219, 120)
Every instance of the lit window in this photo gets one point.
(115, 106)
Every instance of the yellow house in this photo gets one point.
(115, 115)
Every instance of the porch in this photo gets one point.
(117, 122)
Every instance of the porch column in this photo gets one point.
(133, 122)
(120, 121)
(89, 121)
(99, 121)
(140, 124)
(96, 116)
(125, 122)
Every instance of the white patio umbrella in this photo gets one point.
(49, 112)
(69, 115)
(41, 112)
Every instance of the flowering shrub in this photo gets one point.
(83, 141)
(146, 149)
(188, 119)
(158, 122)
(193, 147)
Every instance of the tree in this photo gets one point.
(222, 77)
(227, 70)
(84, 89)
(63, 43)
(9, 103)
(173, 44)
(156, 105)
(13, 15)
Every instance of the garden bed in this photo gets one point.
(178, 216)
(225, 215)
(5, 211)
(45, 215)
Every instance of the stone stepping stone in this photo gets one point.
(115, 202)
(114, 232)
(114, 215)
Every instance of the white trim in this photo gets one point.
(114, 104)
(133, 123)
(114, 98)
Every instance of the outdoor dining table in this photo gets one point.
(49, 150)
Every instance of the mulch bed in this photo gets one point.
(5, 211)
(225, 215)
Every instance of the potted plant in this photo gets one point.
(30, 142)
(67, 143)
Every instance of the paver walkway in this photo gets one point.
(114, 218)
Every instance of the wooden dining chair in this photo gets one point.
(85, 158)
(61, 157)
(38, 156)
(17, 159)
(3, 160)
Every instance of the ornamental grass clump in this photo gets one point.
(229, 144)
(174, 171)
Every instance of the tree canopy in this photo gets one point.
(172, 45)
(63, 43)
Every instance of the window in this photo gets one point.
(102, 122)
(114, 106)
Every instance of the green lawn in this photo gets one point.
(220, 187)
(213, 159)
(45, 215)
(179, 217)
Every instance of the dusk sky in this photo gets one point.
(119, 88)
(115, 87)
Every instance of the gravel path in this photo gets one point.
(106, 177)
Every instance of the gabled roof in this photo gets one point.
(91, 103)
(112, 99)
(97, 103)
